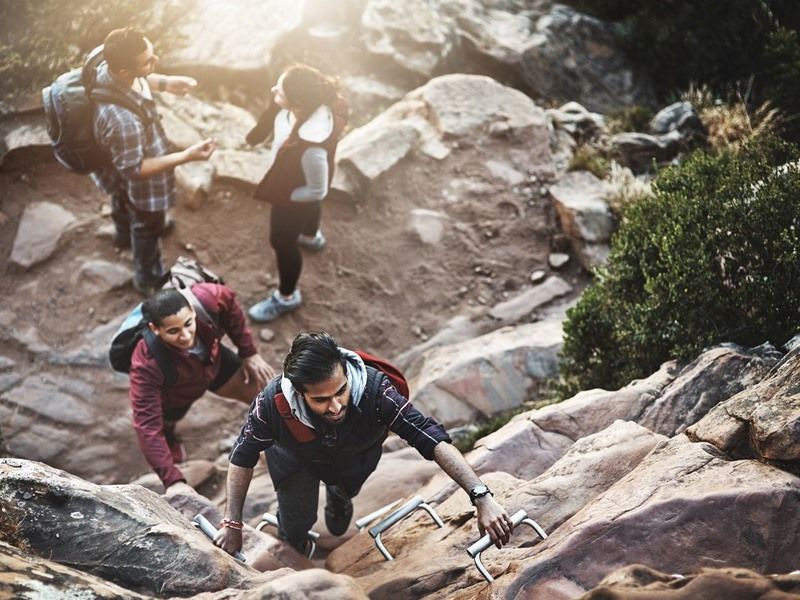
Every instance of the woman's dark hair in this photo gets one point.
(312, 359)
(162, 304)
(306, 88)
(122, 46)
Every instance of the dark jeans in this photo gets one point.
(286, 222)
(298, 498)
(144, 229)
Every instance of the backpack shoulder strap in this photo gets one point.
(198, 307)
(300, 431)
(107, 95)
(161, 355)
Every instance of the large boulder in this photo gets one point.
(580, 201)
(21, 131)
(686, 505)
(715, 376)
(434, 119)
(40, 229)
(635, 581)
(486, 375)
(212, 36)
(574, 57)
(125, 534)
(762, 420)
(28, 576)
(590, 467)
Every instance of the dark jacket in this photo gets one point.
(344, 454)
(286, 173)
(151, 399)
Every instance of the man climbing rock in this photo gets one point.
(325, 419)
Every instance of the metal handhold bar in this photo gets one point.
(362, 523)
(482, 544)
(402, 512)
(270, 519)
(206, 527)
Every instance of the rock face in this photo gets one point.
(40, 229)
(591, 466)
(630, 583)
(487, 374)
(573, 58)
(22, 131)
(241, 39)
(762, 420)
(579, 199)
(680, 487)
(433, 118)
(125, 534)
(27, 576)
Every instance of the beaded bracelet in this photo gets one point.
(230, 524)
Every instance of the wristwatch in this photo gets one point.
(479, 491)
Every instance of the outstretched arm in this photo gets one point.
(174, 84)
(492, 518)
(238, 482)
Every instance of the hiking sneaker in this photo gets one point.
(338, 510)
(312, 243)
(274, 306)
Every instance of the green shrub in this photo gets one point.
(588, 158)
(630, 118)
(712, 256)
(43, 38)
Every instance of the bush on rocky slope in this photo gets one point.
(713, 256)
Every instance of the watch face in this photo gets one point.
(479, 490)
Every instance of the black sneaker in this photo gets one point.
(338, 510)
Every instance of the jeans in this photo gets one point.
(144, 229)
(298, 499)
(286, 222)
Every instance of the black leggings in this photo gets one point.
(286, 222)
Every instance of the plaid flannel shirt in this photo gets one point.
(129, 142)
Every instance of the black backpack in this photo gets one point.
(183, 275)
(69, 112)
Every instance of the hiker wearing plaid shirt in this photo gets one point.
(140, 177)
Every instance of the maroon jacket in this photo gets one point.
(286, 173)
(151, 398)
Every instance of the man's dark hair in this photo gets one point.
(312, 359)
(122, 46)
(162, 304)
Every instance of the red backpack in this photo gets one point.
(302, 432)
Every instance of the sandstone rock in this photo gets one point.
(22, 131)
(432, 118)
(412, 36)
(574, 57)
(6, 364)
(241, 39)
(485, 375)
(713, 377)
(523, 304)
(557, 260)
(679, 116)
(573, 118)
(684, 506)
(242, 167)
(40, 229)
(428, 226)
(639, 151)
(125, 534)
(762, 420)
(194, 181)
(584, 215)
(28, 576)
(590, 467)
(368, 95)
(631, 582)
(103, 276)
(457, 329)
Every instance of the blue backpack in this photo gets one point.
(69, 111)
